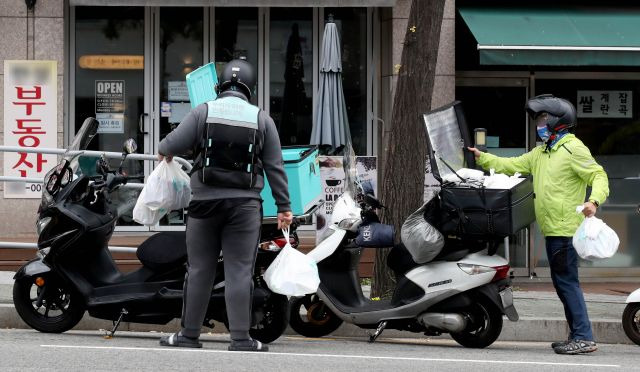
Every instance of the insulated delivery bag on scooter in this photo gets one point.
(469, 208)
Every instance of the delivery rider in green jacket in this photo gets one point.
(562, 168)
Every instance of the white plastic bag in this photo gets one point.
(145, 215)
(501, 181)
(167, 188)
(466, 173)
(292, 273)
(594, 239)
(423, 241)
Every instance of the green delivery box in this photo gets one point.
(201, 84)
(303, 173)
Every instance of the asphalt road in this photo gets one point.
(27, 350)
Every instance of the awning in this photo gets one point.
(555, 37)
(256, 3)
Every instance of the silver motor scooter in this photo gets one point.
(464, 293)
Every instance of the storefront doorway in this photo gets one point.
(495, 103)
(144, 53)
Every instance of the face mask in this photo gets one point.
(544, 133)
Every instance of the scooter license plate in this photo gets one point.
(506, 295)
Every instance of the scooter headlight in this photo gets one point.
(43, 252)
(348, 223)
(42, 224)
(475, 269)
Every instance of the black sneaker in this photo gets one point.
(559, 343)
(577, 347)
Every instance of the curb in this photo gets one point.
(607, 331)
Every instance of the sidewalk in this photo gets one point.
(541, 313)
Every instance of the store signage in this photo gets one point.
(178, 91)
(110, 105)
(111, 62)
(605, 104)
(333, 185)
(30, 121)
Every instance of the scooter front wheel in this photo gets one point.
(48, 308)
(311, 317)
(484, 325)
(631, 321)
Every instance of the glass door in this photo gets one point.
(291, 73)
(179, 49)
(236, 36)
(497, 105)
(108, 82)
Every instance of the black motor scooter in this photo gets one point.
(74, 270)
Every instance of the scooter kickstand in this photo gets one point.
(381, 326)
(116, 324)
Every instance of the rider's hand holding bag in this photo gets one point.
(292, 273)
(594, 239)
(167, 188)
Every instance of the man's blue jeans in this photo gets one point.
(563, 261)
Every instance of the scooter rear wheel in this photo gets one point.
(485, 325)
(631, 322)
(61, 308)
(273, 322)
(317, 321)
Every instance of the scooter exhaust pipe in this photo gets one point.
(449, 322)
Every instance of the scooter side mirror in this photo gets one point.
(102, 165)
(129, 146)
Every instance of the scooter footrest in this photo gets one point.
(170, 294)
(119, 298)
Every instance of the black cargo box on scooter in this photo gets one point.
(471, 212)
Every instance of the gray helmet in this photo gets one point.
(560, 113)
(237, 74)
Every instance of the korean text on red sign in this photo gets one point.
(30, 121)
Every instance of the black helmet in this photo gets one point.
(560, 113)
(237, 73)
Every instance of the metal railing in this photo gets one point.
(108, 154)
(17, 245)
(305, 219)
(89, 153)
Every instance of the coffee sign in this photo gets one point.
(333, 184)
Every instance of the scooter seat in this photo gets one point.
(163, 251)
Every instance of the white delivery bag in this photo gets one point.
(423, 241)
(594, 239)
(167, 188)
(292, 273)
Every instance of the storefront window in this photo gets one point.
(291, 73)
(236, 36)
(109, 72)
(609, 124)
(499, 109)
(109, 85)
(181, 51)
(352, 27)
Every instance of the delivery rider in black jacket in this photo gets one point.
(237, 143)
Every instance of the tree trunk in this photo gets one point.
(406, 152)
